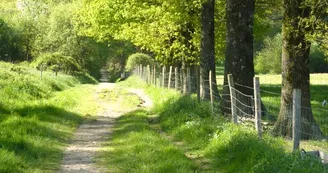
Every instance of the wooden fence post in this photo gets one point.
(296, 118)
(137, 70)
(198, 82)
(140, 66)
(258, 111)
(163, 77)
(188, 81)
(176, 80)
(170, 76)
(183, 81)
(233, 99)
(211, 90)
(148, 74)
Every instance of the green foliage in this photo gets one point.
(318, 60)
(118, 55)
(37, 117)
(57, 62)
(46, 27)
(138, 58)
(268, 59)
(169, 29)
(10, 40)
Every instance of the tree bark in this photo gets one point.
(295, 72)
(207, 60)
(239, 49)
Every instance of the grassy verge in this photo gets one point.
(136, 146)
(37, 117)
(229, 148)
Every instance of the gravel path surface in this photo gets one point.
(80, 155)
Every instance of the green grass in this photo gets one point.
(136, 146)
(224, 146)
(319, 92)
(37, 117)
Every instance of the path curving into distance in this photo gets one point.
(81, 154)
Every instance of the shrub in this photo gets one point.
(57, 62)
(268, 60)
(138, 58)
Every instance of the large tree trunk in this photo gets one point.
(239, 49)
(207, 61)
(295, 72)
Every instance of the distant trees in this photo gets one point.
(138, 59)
(38, 29)
(271, 52)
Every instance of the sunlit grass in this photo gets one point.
(226, 147)
(137, 147)
(37, 117)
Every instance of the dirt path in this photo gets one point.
(80, 155)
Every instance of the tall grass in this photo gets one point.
(37, 117)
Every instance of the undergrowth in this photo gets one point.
(37, 117)
(228, 147)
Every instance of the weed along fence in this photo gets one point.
(243, 108)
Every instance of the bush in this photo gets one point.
(268, 60)
(136, 59)
(57, 62)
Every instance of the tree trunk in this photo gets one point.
(239, 50)
(295, 72)
(207, 61)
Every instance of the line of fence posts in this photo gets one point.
(150, 77)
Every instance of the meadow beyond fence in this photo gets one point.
(243, 108)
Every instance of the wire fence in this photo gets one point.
(242, 103)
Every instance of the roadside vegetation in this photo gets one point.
(209, 142)
(37, 117)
